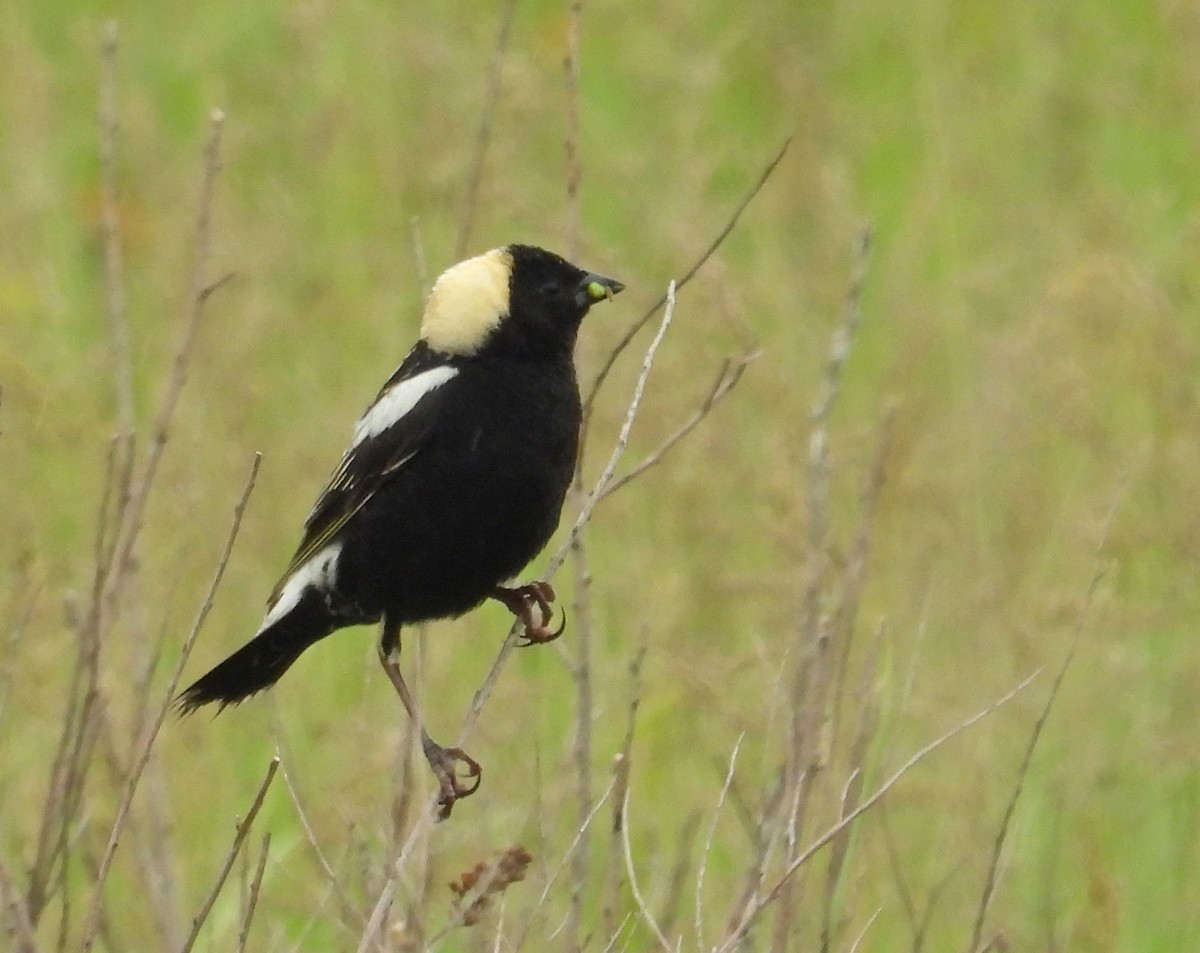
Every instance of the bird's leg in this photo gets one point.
(520, 602)
(444, 761)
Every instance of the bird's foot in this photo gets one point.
(445, 763)
(521, 601)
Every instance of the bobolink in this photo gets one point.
(454, 480)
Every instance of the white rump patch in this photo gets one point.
(320, 572)
(398, 400)
(466, 302)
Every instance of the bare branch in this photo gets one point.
(620, 774)
(708, 842)
(18, 913)
(863, 932)
(989, 886)
(483, 135)
(755, 910)
(633, 883)
(147, 742)
(255, 888)
(239, 838)
(118, 320)
(730, 373)
(348, 910)
(708, 252)
(580, 833)
(200, 291)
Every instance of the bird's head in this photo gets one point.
(518, 301)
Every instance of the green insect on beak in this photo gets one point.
(595, 288)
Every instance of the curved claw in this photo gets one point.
(520, 602)
(445, 762)
(540, 635)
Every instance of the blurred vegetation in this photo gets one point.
(1031, 173)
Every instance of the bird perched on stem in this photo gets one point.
(454, 480)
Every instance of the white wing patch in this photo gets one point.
(320, 572)
(397, 401)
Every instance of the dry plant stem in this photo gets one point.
(756, 908)
(581, 606)
(585, 514)
(255, 889)
(239, 838)
(814, 670)
(730, 373)
(118, 320)
(347, 908)
(702, 870)
(574, 163)
(566, 857)
(200, 291)
(989, 885)
(840, 847)
(862, 934)
(73, 752)
(146, 744)
(708, 252)
(620, 773)
(20, 926)
(634, 888)
(483, 135)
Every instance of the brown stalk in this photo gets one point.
(727, 379)
(816, 670)
(20, 925)
(201, 290)
(702, 870)
(146, 745)
(581, 603)
(989, 886)
(620, 776)
(632, 332)
(483, 135)
(255, 888)
(114, 281)
(239, 838)
(754, 910)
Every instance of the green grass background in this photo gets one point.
(1031, 172)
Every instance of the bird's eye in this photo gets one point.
(551, 289)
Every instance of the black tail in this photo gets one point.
(260, 662)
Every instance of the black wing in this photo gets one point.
(375, 456)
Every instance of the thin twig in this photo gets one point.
(255, 888)
(199, 294)
(730, 373)
(10, 895)
(348, 910)
(114, 281)
(581, 604)
(147, 743)
(708, 843)
(620, 773)
(239, 838)
(580, 833)
(863, 932)
(755, 910)
(489, 682)
(989, 886)
(708, 252)
(483, 134)
(606, 475)
(633, 883)
(571, 139)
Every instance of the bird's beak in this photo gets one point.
(595, 288)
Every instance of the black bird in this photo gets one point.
(453, 482)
